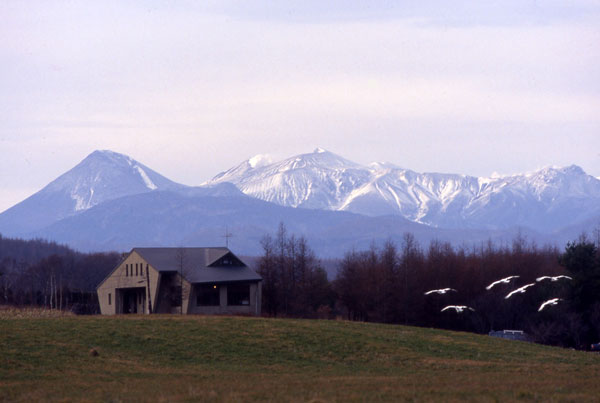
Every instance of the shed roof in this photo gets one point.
(201, 265)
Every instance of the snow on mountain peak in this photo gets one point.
(324, 180)
(104, 175)
(260, 160)
(81, 202)
(101, 176)
(546, 199)
(149, 184)
(497, 175)
(316, 180)
(553, 170)
(384, 165)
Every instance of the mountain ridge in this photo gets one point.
(109, 200)
(192, 218)
(324, 180)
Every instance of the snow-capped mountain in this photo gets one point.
(545, 200)
(110, 201)
(320, 180)
(101, 176)
(106, 175)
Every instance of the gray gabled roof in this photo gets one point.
(201, 265)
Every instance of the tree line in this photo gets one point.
(41, 273)
(391, 284)
(388, 283)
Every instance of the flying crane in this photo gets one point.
(504, 280)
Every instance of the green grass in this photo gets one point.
(172, 358)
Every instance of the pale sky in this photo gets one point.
(193, 88)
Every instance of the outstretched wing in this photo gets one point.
(552, 301)
(489, 287)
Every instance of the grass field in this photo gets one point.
(171, 358)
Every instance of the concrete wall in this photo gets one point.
(122, 279)
(163, 303)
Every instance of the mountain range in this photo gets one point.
(545, 200)
(109, 201)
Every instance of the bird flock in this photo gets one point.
(506, 280)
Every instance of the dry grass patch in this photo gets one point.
(174, 358)
(12, 312)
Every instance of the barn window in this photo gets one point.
(207, 295)
(109, 299)
(126, 270)
(238, 294)
(136, 269)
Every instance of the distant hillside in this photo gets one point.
(30, 251)
(200, 217)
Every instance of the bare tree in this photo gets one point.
(8, 275)
(597, 236)
(294, 283)
(268, 270)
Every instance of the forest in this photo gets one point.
(41, 273)
(553, 295)
(558, 302)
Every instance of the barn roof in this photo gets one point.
(200, 265)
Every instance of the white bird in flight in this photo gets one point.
(521, 290)
(552, 301)
(556, 278)
(440, 291)
(458, 308)
(504, 280)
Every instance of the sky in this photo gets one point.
(191, 89)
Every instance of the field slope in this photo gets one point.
(171, 358)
